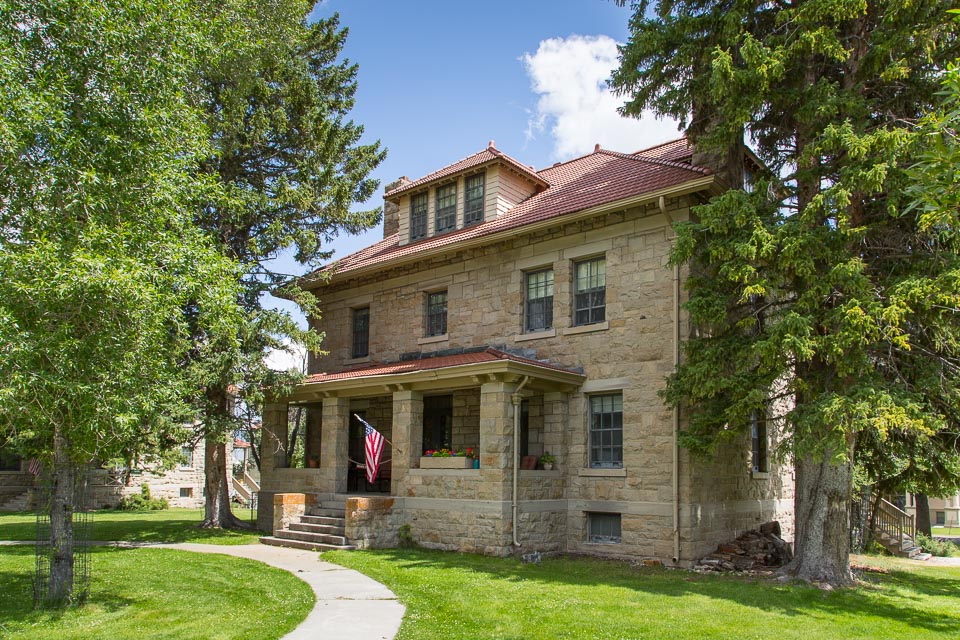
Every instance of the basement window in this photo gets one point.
(186, 492)
(603, 528)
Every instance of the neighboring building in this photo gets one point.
(502, 302)
(944, 512)
(182, 486)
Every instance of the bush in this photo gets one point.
(943, 548)
(144, 501)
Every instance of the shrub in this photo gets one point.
(144, 501)
(943, 548)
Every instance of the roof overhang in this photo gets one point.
(540, 378)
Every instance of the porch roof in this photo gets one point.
(449, 371)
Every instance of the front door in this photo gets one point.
(357, 470)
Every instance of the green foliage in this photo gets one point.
(942, 548)
(99, 144)
(143, 501)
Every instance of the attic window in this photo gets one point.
(446, 208)
(473, 209)
(418, 216)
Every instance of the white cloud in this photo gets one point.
(577, 107)
(294, 356)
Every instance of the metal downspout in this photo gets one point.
(516, 398)
(676, 410)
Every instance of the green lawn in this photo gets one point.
(138, 594)
(169, 525)
(945, 531)
(451, 595)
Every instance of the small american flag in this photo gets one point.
(34, 466)
(373, 446)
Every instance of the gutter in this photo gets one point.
(516, 398)
(676, 410)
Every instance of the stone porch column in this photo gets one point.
(496, 440)
(407, 437)
(272, 456)
(556, 426)
(334, 447)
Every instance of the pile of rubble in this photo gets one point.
(756, 550)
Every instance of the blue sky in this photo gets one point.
(438, 80)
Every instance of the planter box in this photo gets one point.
(428, 462)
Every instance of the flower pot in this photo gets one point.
(460, 462)
(548, 466)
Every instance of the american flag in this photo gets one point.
(373, 448)
(34, 466)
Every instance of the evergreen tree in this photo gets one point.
(291, 165)
(820, 277)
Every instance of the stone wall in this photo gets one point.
(372, 522)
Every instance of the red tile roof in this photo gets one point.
(438, 362)
(675, 151)
(488, 155)
(583, 183)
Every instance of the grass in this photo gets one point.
(465, 596)
(169, 525)
(945, 531)
(157, 593)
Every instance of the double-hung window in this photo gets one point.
(361, 332)
(418, 216)
(446, 208)
(606, 431)
(590, 292)
(436, 313)
(758, 436)
(538, 311)
(473, 199)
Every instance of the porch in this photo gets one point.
(502, 407)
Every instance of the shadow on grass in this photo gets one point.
(16, 591)
(880, 596)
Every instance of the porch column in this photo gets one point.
(334, 447)
(556, 417)
(407, 437)
(496, 440)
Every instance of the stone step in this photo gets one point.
(307, 546)
(328, 529)
(326, 512)
(323, 520)
(305, 536)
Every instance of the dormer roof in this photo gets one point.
(490, 155)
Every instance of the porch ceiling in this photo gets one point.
(442, 372)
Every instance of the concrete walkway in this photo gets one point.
(350, 606)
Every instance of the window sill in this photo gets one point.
(535, 335)
(363, 360)
(760, 475)
(433, 339)
(587, 328)
(603, 473)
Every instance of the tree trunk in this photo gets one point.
(923, 515)
(60, 587)
(822, 553)
(217, 513)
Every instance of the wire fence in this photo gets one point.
(59, 539)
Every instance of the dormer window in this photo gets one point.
(418, 216)
(474, 192)
(446, 208)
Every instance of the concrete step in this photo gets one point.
(319, 538)
(331, 530)
(300, 544)
(323, 520)
(923, 556)
(326, 512)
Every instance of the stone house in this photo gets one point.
(519, 312)
(182, 486)
(944, 512)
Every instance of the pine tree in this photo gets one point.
(821, 280)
